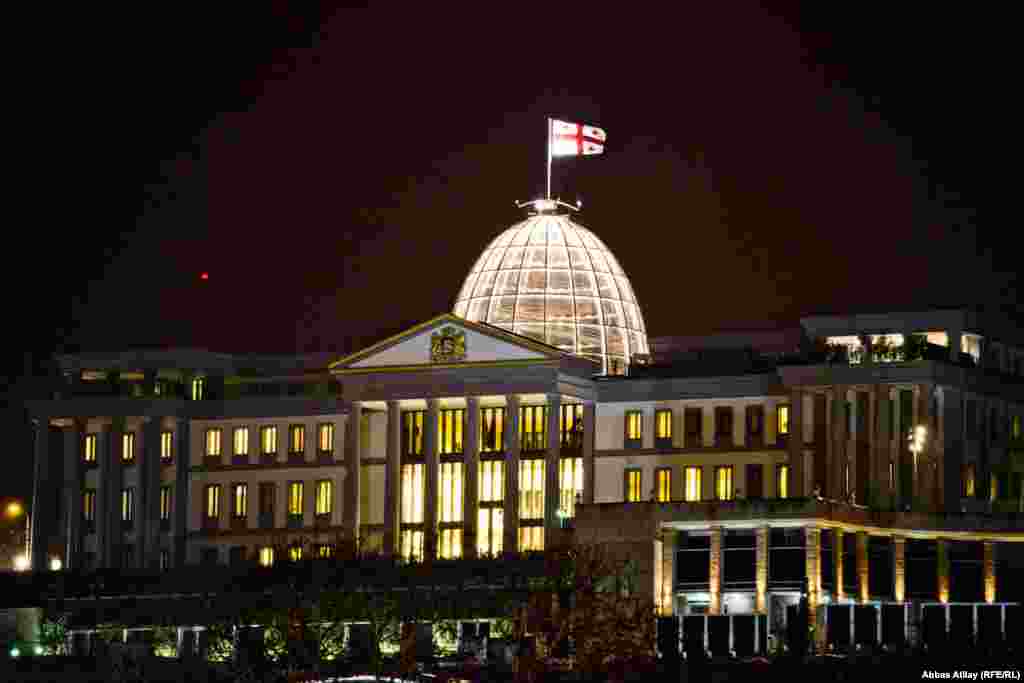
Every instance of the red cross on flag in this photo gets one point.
(575, 139)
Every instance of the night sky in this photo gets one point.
(338, 172)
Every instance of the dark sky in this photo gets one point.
(337, 172)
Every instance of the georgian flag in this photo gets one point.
(574, 139)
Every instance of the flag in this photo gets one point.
(574, 139)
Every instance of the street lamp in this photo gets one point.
(21, 563)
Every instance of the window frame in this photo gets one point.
(453, 419)
(166, 447)
(128, 507)
(320, 429)
(211, 520)
(663, 440)
(235, 433)
(323, 506)
(496, 444)
(166, 505)
(725, 438)
(128, 448)
(663, 493)
(722, 469)
(783, 482)
(295, 519)
(633, 418)
(628, 488)
(217, 441)
(90, 446)
(413, 428)
(533, 440)
(296, 454)
(268, 455)
(236, 514)
(783, 417)
(693, 439)
(699, 471)
(89, 507)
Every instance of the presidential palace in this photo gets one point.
(862, 460)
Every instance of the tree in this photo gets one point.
(591, 605)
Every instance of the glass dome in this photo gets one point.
(553, 280)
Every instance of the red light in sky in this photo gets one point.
(205, 276)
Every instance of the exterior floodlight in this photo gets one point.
(38, 649)
(15, 652)
(21, 563)
(56, 564)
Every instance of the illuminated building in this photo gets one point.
(743, 468)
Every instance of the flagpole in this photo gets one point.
(549, 158)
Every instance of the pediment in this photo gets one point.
(446, 341)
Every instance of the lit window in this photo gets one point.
(268, 440)
(212, 501)
(692, 481)
(490, 531)
(241, 439)
(634, 427)
(531, 489)
(892, 474)
(450, 546)
(240, 501)
(937, 338)
(533, 428)
(127, 505)
(198, 388)
(967, 490)
(492, 430)
(852, 344)
(571, 427)
(324, 497)
(296, 439)
(993, 487)
(531, 538)
(782, 484)
(449, 431)
(411, 545)
(1015, 427)
(847, 484)
(295, 498)
(166, 446)
(325, 437)
(663, 484)
(971, 345)
(90, 448)
(128, 447)
(449, 502)
(324, 550)
(412, 494)
(89, 505)
(663, 425)
(165, 503)
(633, 491)
(570, 484)
(266, 556)
(213, 443)
(412, 432)
(782, 412)
(723, 482)
(492, 483)
(295, 553)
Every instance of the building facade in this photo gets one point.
(859, 459)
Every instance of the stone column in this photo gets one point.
(552, 529)
(110, 491)
(669, 539)
(148, 511)
(392, 478)
(990, 571)
(837, 564)
(74, 439)
(510, 542)
(879, 470)
(41, 528)
(181, 501)
(942, 573)
(589, 479)
(715, 574)
(761, 576)
(432, 465)
(471, 439)
(899, 578)
(353, 472)
(862, 566)
(837, 454)
(812, 554)
(796, 445)
(923, 485)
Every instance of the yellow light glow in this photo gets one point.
(56, 564)
(266, 556)
(693, 484)
(14, 509)
(21, 563)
